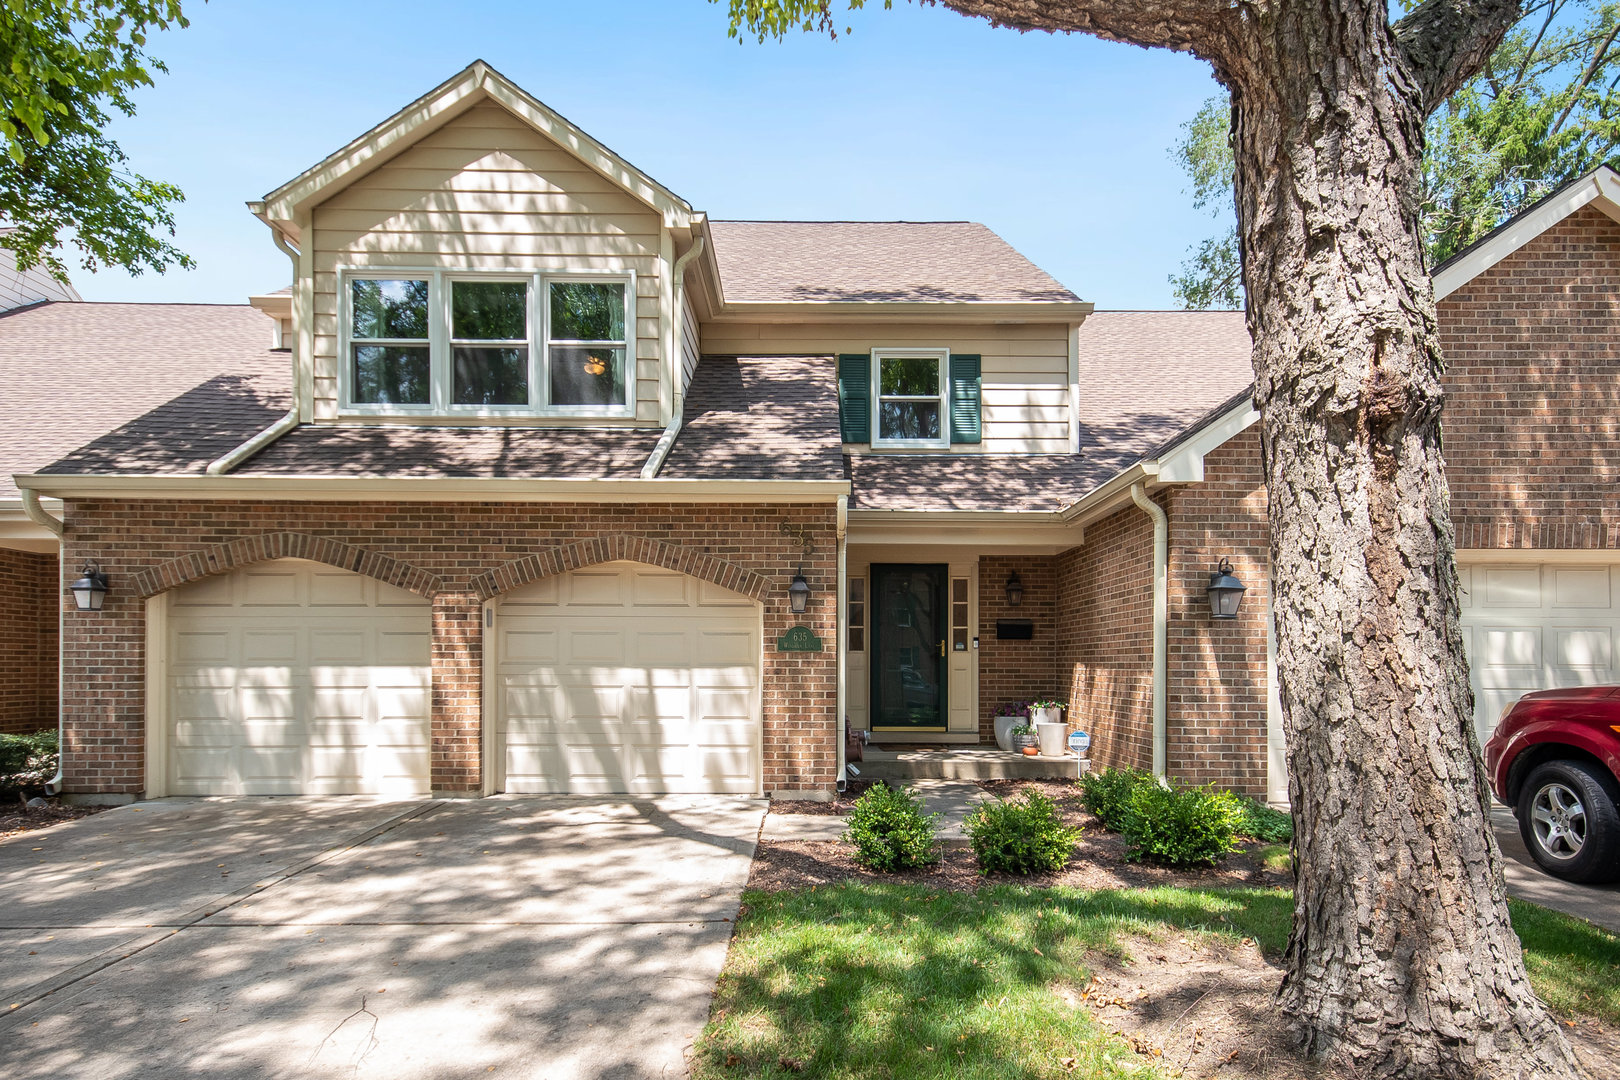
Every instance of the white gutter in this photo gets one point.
(840, 722)
(36, 513)
(319, 488)
(1161, 618)
(667, 440)
(222, 465)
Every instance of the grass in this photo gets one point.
(909, 982)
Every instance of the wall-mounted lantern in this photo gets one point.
(1225, 592)
(91, 588)
(1015, 589)
(799, 593)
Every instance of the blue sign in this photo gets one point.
(1079, 742)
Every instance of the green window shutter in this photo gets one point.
(855, 397)
(965, 381)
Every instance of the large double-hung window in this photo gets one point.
(443, 343)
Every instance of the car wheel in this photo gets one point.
(1569, 820)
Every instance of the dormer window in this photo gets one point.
(463, 344)
(909, 387)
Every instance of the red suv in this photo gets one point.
(1555, 758)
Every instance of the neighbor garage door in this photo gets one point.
(296, 678)
(1534, 625)
(628, 678)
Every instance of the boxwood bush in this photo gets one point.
(27, 761)
(1108, 794)
(1181, 826)
(890, 831)
(1020, 836)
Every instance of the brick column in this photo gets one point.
(457, 706)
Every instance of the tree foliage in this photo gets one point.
(1544, 110)
(64, 66)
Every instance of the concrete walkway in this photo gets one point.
(545, 937)
(1599, 904)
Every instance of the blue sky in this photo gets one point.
(1060, 144)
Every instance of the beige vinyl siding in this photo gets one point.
(1025, 368)
(486, 192)
(18, 287)
(691, 345)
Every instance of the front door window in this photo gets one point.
(908, 626)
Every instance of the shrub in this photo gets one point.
(1013, 836)
(1108, 793)
(1258, 821)
(890, 831)
(27, 761)
(1181, 826)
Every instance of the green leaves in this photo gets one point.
(63, 65)
(891, 832)
(779, 18)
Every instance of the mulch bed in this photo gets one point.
(1099, 859)
(840, 805)
(16, 818)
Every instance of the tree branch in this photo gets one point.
(1445, 42)
(1201, 27)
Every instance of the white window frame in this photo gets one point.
(943, 356)
(441, 354)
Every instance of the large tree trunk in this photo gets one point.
(1402, 958)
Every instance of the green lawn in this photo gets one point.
(908, 982)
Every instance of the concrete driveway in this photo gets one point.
(519, 937)
(1598, 904)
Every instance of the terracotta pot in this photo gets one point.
(1031, 751)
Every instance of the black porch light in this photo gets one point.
(1015, 589)
(1225, 592)
(799, 593)
(91, 588)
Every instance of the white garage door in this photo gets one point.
(1534, 626)
(628, 678)
(296, 678)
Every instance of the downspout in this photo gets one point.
(1161, 618)
(36, 513)
(840, 721)
(222, 465)
(666, 441)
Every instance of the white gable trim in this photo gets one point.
(479, 82)
(1184, 464)
(1600, 188)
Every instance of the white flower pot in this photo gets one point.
(1054, 738)
(1046, 716)
(1004, 726)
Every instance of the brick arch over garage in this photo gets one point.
(601, 549)
(223, 558)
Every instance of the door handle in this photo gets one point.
(942, 646)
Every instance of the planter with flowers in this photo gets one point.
(1011, 715)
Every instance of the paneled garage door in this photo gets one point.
(294, 678)
(1533, 626)
(628, 678)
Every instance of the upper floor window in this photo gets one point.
(441, 342)
(908, 386)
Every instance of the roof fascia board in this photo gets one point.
(874, 310)
(1036, 529)
(1184, 464)
(19, 531)
(1601, 188)
(439, 106)
(419, 489)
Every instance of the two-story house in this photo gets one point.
(537, 479)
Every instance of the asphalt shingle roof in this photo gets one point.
(73, 373)
(948, 262)
(459, 452)
(760, 418)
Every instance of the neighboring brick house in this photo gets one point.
(517, 486)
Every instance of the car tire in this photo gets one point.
(1570, 821)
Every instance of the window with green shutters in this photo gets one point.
(909, 398)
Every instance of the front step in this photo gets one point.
(965, 763)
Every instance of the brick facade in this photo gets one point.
(28, 641)
(458, 555)
(1016, 670)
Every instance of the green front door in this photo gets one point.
(908, 628)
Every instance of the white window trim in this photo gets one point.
(943, 397)
(440, 352)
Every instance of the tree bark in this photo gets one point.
(1402, 961)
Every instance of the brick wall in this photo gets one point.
(28, 641)
(458, 554)
(1105, 637)
(1532, 411)
(1016, 670)
(1216, 706)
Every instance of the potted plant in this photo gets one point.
(1046, 711)
(1008, 717)
(1023, 739)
